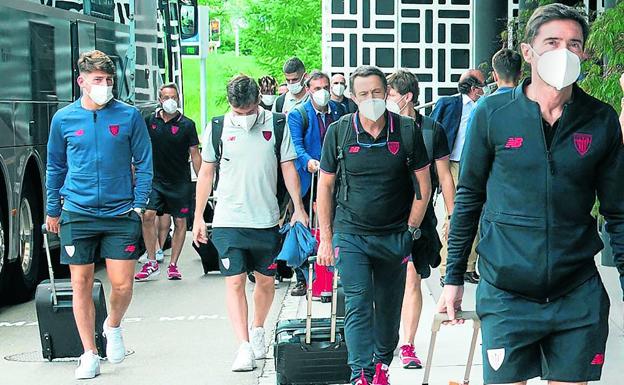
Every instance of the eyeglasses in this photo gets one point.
(374, 144)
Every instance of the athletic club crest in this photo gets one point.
(114, 129)
(267, 135)
(394, 147)
(175, 129)
(582, 142)
(496, 358)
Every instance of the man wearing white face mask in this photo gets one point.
(536, 159)
(174, 138)
(369, 164)
(338, 87)
(93, 144)
(247, 146)
(295, 74)
(308, 123)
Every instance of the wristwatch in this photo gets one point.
(415, 231)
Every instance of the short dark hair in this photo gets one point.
(294, 65)
(268, 85)
(366, 71)
(95, 60)
(315, 75)
(550, 12)
(168, 85)
(243, 91)
(508, 65)
(404, 81)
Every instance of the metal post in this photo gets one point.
(204, 39)
(236, 39)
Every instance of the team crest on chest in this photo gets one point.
(394, 147)
(267, 135)
(175, 129)
(582, 143)
(114, 129)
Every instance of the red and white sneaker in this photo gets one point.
(408, 357)
(362, 380)
(148, 271)
(173, 273)
(381, 375)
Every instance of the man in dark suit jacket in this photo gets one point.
(453, 113)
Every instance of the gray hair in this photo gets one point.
(168, 85)
(315, 75)
(555, 11)
(366, 71)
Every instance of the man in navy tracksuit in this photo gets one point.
(540, 154)
(91, 200)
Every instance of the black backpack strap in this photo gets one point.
(304, 117)
(427, 127)
(279, 124)
(344, 126)
(408, 128)
(217, 132)
(279, 103)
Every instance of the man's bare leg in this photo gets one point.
(84, 308)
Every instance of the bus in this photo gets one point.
(40, 41)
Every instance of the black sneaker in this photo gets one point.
(299, 290)
(471, 277)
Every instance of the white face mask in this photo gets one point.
(372, 109)
(393, 106)
(338, 89)
(246, 122)
(170, 106)
(295, 88)
(100, 94)
(558, 68)
(268, 100)
(321, 97)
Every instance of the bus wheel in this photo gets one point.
(30, 245)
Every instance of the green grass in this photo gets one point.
(220, 68)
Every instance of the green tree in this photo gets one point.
(279, 29)
(605, 47)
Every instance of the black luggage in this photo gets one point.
(57, 327)
(312, 351)
(438, 320)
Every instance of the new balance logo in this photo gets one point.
(514, 142)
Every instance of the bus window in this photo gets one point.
(42, 62)
(188, 16)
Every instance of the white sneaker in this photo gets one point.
(115, 349)
(160, 256)
(88, 366)
(244, 361)
(256, 338)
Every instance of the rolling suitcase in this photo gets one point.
(435, 328)
(322, 282)
(57, 327)
(312, 351)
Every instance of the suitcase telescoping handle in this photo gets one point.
(332, 330)
(438, 320)
(46, 245)
(313, 218)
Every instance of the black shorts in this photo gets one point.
(82, 236)
(563, 340)
(171, 198)
(242, 249)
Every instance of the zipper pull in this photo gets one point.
(94, 116)
(551, 163)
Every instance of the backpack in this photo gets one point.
(428, 125)
(279, 103)
(279, 125)
(407, 126)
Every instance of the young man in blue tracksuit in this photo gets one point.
(308, 123)
(91, 201)
(540, 154)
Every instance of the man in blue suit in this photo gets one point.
(453, 113)
(308, 123)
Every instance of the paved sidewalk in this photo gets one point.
(453, 342)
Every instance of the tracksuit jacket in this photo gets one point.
(538, 237)
(90, 154)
